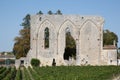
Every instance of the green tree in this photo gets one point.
(22, 42)
(50, 12)
(70, 42)
(109, 37)
(26, 22)
(40, 12)
(118, 55)
(59, 12)
(70, 49)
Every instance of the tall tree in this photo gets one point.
(109, 37)
(40, 12)
(22, 42)
(26, 22)
(70, 49)
(50, 12)
(59, 12)
(70, 42)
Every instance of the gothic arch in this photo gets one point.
(44, 22)
(40, 39)
(87, 22)
(61, 37)
(89, 34)
(68, 24)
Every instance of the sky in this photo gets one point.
(12, 13)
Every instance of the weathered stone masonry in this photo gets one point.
(87, 32)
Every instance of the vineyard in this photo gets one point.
(60, 73)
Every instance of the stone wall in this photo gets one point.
(86, 31)
(109, 57)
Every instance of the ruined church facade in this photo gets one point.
(87, 31)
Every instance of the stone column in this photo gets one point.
(77, 52)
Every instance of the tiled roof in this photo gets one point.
(7, 56)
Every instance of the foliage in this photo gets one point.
(77, 72)
(40, 12)
(11, 74)
(70, 42)
(46, 38)
(58, 12)
(22, 42)
(70, 50)
(109, 37)
(34, 74)
(18, 75)
(35, 62)
(50, 12)
(61, 73)
(2, 53)
(25, 74)
(26, 22)
(4, 73)
(118, 55)
(2, 69)
(8, 53)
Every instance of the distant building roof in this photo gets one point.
(109, 47)
(7, 56)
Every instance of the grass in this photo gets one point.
(78, 72)
(61, 73)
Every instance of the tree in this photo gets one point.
(118, 53)
(59, 12)
(70, 42)
(109, 37)
(22, 42)
(26, 22)
(50, 12)
(40, 12)
(70, 49)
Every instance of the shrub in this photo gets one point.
(35, 62)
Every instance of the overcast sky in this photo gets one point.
(12, 13)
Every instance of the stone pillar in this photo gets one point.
(77, 52)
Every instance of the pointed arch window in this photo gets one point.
(70, 46)
(67, 31)
(46, 35)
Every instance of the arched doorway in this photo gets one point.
(46, 40)
(70, 47)
(67, 28)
